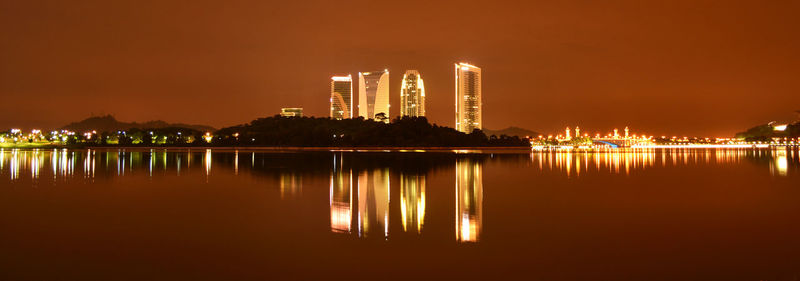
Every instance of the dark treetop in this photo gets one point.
(310, 131)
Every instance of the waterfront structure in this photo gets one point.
(412, 95)
(373, 95)
(468, 98)
(341, 97)
(412, 201)
(373, 202)
(341, 197)
(469, 199)
(292, 112)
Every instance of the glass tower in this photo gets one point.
(341, 97)
(373, 95)
(468, 98)
(412, 95)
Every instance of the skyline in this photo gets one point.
(680, 68)
(289, 140)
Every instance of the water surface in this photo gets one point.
(249, 215)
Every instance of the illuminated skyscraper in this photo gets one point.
(412, 95)
(373, 202)
(412, 201)
(373, 95)
(468, 98)
(341, 97)
(469, 199)
(341, 193)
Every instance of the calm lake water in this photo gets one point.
(244, 215)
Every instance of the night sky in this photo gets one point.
(661, 67)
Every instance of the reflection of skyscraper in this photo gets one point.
(341, 97)
(469, 200)
(412, 201)
(412, 95)
(373, 202)
(291, 185)
(341, 197)
(373, 95)
(468, 98)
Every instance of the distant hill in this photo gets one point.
(108, 123)
(766, 132)
(511, 131)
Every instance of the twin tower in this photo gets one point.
(373, 96)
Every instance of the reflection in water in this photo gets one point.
(15, 164)
(469, 199)
(208, 161)
(64, 163)
(291, 185)
(781, 162)
(341, 195)
(372, 190)
(373, 202)
(412, 201)
(617, 161)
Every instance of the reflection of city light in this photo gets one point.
(373, 201)
(412, 201)
(35, 162)
(14, 165)
(207, 161)
(782, 163)
(291, 185)
(341, 197)
(469, 200)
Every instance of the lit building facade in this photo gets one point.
(468, 98)
(469, 199)
(373, 202)
(341, 97)
(373, 95)
(412, 201)
(292, 112)
(412, 95)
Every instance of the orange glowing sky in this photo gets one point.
(661, 67)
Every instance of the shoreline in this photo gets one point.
(302, 148)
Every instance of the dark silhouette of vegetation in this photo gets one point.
(321, 132)
(512, 131)
(767, 132)
(293, 131)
